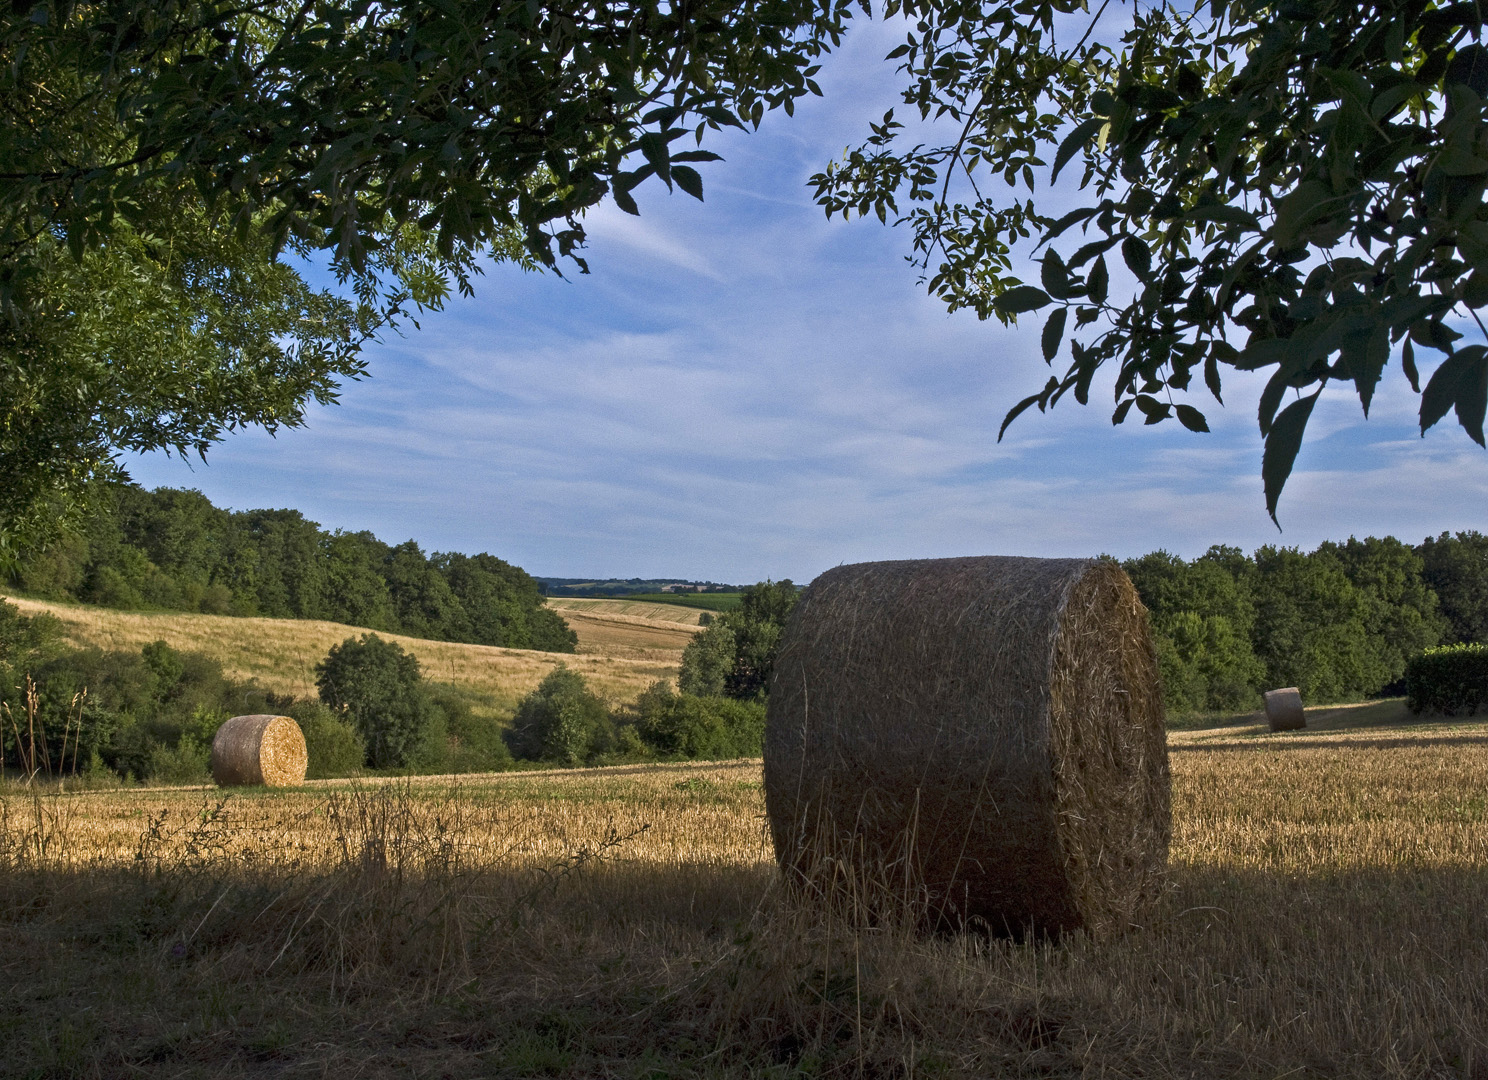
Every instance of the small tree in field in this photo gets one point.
(380, 687)
(561, 721)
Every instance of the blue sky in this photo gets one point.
(741, 389)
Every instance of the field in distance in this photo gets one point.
(623, 627)
(1324, 918)
(281, 654)
(723, 601)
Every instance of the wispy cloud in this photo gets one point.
(742, 389)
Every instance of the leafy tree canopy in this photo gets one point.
(157, 160)
(382, 690)
(1294, 188)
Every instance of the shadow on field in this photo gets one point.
(613, 967)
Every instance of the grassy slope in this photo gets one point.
(281, 654)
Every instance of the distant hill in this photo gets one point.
(663, 590)
(174, 550)
(281, 654)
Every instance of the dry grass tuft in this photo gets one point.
(627, 923)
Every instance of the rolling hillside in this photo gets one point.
(629, 628)
(281, 654)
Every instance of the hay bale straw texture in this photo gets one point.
(1284, 709)
(259, 749)
(985, 732)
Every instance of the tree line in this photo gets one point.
(1340, 622)
(174, 550)
(106, 716)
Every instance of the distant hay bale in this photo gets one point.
(259, 749)
(1284, 709)
(981, 736)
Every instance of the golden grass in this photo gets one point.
(1327, 916)
(281, 654)
(628, 628)
(631, 609)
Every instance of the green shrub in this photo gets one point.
(1451, 679)
(686, 725)
(475, 742)
(185, 763)
(332, 744)
(562, 721)
(380, 687)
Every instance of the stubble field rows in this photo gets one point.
(1326, 917)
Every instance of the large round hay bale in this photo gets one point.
(259, 749)
(1284, 709)
(982, 736)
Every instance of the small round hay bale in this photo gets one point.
(1284, 709)
(982, 736)
(259, 749)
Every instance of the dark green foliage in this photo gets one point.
(1456, 567)
(150, 714)
(1201, 622)
(503, 605)
(708, 660)
(381, 690)
(473, 743)
(562, 721)
(333, 746)
(175, 550)
(1339, 623)
(1452, 679)
(683, 725)
(163, 167)
(1295, 188)
(1310, 630)
(735, 654)
(1400, 610)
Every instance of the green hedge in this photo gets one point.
(1452, 679)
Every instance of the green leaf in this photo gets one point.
(1367, 363)
(1461, 382)
(1138, 256)
(1074, 142)
(1055, 276)
(1408, 364)
(1223, 214)
(1074, 217)
(688, 180)
(1099, 280)
(1211, 375)
(1192, 419)
(1017, 410)
(624, 200)
(1054, 333)
(1282, 443)
(1155, 411)
(1020, 299)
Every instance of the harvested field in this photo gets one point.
(636, 609)
(630, 629)
(1326, 916)
(281, 654)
